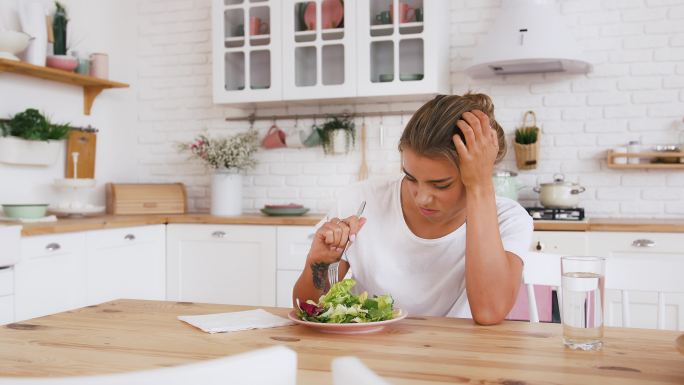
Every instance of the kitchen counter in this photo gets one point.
(127, 335)
(114, 221)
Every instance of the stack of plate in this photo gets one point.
(291, 209)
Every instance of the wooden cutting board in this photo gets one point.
(84, 143)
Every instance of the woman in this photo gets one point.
(437, 239)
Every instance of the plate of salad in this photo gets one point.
(341, 311)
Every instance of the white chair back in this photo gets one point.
(350, 370)
(275, 365)
(539, 269)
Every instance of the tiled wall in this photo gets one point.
(636, 91)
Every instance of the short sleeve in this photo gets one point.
(515, 226)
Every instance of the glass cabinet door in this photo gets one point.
(318, 49)
(247, 66)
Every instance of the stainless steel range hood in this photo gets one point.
(528, 36)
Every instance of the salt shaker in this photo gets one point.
(633, 147)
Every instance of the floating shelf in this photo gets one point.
(92, 86)
(645, 155)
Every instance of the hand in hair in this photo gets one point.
(478, 154)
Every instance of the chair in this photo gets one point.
(350, 370)
(275, 365)
(646, 274)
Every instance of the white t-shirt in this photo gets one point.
(424, 276)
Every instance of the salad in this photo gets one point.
(339, 305)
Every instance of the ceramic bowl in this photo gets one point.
(62, 62)
(13, 42)
(25, 211)
(410, 77)
(386, 77)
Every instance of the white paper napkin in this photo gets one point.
(240, 320)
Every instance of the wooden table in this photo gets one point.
(127, 335)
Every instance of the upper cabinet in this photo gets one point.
(267, 50)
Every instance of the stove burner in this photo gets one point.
(539, 213)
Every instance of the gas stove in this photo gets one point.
(540, 213)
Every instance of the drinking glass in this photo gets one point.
(582, 283)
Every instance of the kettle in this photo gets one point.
(506, 184)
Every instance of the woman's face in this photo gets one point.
(434, 186)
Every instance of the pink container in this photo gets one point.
(99, 65)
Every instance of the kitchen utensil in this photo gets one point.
(347, 328)
(333, 272)
(285, 211)
(62, 62)
(559, 193)
(332, 14)
(257, 26)
(506, 184)
(287, 206)
(275, 138)
(130, 198)
(410, 77)
(84, 143)
(77, 210)
(13, 42)
(386, 78)
(363, 168)
(25, 211)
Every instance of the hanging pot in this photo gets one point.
(559, 194)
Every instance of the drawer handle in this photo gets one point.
(643, 243)
(539, 246)
(53, 247)
(129, 237)
(218, 234)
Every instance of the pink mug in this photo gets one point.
(406, 13)
(256, 26)
(99, 65)
(275, 138)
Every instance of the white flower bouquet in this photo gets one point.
(233, 153)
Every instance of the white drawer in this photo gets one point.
(125, 236)
(638, 243)
(560, 242)
(6, 281)
(293, 246)
(6, 309)
(48, 245)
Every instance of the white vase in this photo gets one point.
(226, 193)
(339, 141)
(32, 17)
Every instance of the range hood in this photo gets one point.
(528, 36)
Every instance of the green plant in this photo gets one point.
(233, 153)
(32, 125)
(59, 27)
(334, 123)
(526, 135)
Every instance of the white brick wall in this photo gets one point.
(636, 91)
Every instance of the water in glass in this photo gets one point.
(582, 309)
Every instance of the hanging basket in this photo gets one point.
(527, 154)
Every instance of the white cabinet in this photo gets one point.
(126, 263)
(229, 264)
(643, 305)
(6, 295)
(51, 275)
(247, 50)
(268, 50)
(319, 57)
(560, 242)
(293, 246)
(406, 54)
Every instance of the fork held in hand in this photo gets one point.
(333, 274)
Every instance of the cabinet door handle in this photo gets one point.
(643, 243)
(129, 237)
(218, 234)
(53, 247)
(539, 246)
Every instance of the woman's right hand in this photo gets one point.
(331, 238)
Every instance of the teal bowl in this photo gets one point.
(30, 211)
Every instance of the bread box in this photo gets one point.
(146, 198)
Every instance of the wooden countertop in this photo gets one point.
(114, 221)
(126, 335)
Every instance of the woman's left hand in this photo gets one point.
(478, 154)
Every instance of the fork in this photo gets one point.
(333, 274)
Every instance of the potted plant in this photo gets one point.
(526, 143)
(30, 138)
(338, 134)
(228, 157)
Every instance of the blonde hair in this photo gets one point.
(429, 132)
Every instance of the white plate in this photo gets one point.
(75, 183)
(348, 328)
(77, 211)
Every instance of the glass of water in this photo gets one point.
(582, 301)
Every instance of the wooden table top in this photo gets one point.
(126, 335)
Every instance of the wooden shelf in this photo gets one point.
(645, 155)
(92, 86)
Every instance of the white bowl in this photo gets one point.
(13, 42)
